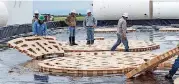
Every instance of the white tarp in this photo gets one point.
(172, 38)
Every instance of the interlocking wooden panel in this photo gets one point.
(106, 45)
(169, 29)
(153, 62)
(168, 63)
(94, 63)
(37, 46)
(99, 38)
(111, 30)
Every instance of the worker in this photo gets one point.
(71, 22)
(89, 23)
(174, 69)
(121, 33)
(51, 18)
(36, 15)
(39, 27)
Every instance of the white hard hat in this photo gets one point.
(88, 10)
(36, 12)
(73, 11)
(125, 15)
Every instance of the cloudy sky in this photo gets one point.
(62, 7)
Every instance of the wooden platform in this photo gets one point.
(99, 38)
(111, 30)
(106, 45)
(94, 63)
(169, 29)
(37, 46)
(98, 63)
(153, 62)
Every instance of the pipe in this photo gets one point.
(151, 9)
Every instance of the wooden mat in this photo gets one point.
(169, 29)
(37, 46)
(111, 30)
(106, 45)
(95, 63)
(153, 62)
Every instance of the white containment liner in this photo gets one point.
(172, 38)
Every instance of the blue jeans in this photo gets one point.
(119, 39)
(72, 31)
(90, 34)
(174, 67)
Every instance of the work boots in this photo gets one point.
(73, 41)
(70, 41)
(168, 76)
(90, 42)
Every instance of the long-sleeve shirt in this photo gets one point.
(122, 26)
(39, 29)
(34, 19)
(89, 21)
(70, 21)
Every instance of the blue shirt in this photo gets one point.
(38, 29)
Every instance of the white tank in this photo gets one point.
(137, 9)
(20, 11)
(3, 14)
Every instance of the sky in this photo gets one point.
(62, 7)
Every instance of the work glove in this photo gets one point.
(123, 36)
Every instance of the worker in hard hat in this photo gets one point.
(121, 33)
(39, 27)
(89, 23)
(71, 22)
(36, 15)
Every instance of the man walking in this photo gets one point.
(121, 33)
(89, 23)
(39, 27)
(71, 22)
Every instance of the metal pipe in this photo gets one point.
(151, 9)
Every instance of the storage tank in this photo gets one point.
(137, 9)
(3, 14)
(20, 11)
